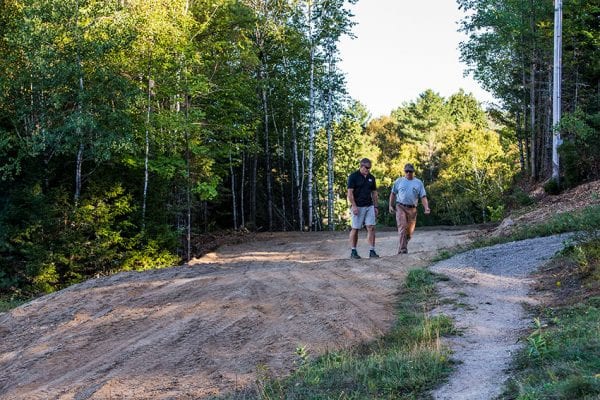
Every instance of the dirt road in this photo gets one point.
(204, 328)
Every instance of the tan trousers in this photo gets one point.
(406, 220)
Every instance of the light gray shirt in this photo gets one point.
(408, 191)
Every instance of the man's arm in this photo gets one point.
(375, 197)
(425, 204)
(352, 202)
(392, 202)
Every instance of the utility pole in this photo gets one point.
(556, 88)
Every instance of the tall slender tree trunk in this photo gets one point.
(311, 120)
(242, 187)
(297, 176)
(79, 157)
(520, 140)
(548, 130)
(147, 144)
(303, 170)
(188, 160)
(523, 126)
(281, 164)
(557, 89)
(78, 166)
(269, 174)
(330, 177)
(254, 188)
(533, 124)
(294, 168)
(233, 196)
(532, 99)
(188, 182)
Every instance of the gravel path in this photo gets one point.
(485, 296)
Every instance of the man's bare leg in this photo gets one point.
(371, 235)
(353, 238)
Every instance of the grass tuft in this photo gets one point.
(10, 302)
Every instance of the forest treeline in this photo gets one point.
(128, 128)
(509, 50)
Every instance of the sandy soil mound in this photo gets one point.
(548, 205)
(204, 328)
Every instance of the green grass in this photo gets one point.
(404, 364)
(562, 359)
(8, 303)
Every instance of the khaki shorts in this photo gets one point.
(365, 216)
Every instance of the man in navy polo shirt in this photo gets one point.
(406, 192)
(362, 195)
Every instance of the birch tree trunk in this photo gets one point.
(269, 175)
(242, 185)
(281, 165)
(233, 197)
(188, 188)
(548, 130)
(147, 145)
(296, 167)
(523, 125)
(330, 214)
(79, 157)
(254, 187)
(297, 176)
(533, 141)
(520, 140)
(311, 119)
(532, 101)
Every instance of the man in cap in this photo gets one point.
(362, 196)
(405, 195)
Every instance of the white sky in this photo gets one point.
(403, 48)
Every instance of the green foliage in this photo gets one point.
(150, 256)
(65, 245)
(585, 253)
(537, 342)
(465, 165)
(496, 213)
(581, 147)
(552, 187)
(509, 50)
(519, 198)
(9, 302)
(562, 359)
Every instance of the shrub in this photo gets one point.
(552, 187)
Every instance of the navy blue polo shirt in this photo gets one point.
(363, 186)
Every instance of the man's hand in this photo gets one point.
(427, 210)
(392, 210)
(354, 210)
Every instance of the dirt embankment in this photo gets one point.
(546, 206)
(202, 329)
